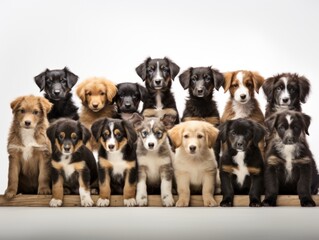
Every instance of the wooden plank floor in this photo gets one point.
(153, 200)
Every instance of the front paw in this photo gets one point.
(131, 202)
(307, 202)
(226, 203)
(168, 200)
(269, 202)
(86, 201)
(55, 202)
(44, 191)
(9, 194)
(255, 203)
(103, 202)
(182, 202)
(209, 201)
(141, 200)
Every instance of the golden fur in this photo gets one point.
(194, 171)
(28, 147)
(99, 92)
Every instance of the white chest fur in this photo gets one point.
(29, 142)
(119, 165)
(67, 167)
(288, 153)
(242, 171)
(242, 110)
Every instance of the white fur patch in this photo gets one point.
(242, 110)
(119, 165)
(29, 142)
(166, 193)
(86, 200)
(103, 202)
(150, 139)
(131, 202)
(112, 138)
(284, 94)
(288, 117)
(241, 90)
(67, 167)
(157, 72)
(288, 153)
(55, 202)
(141, 193)
(242, 170)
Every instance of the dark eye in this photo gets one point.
(233, 133)
(186, 136)
(118, 135)
(61, 136)
(234, 86)
(49, 82)
(150, 71)
(159, 134)
(281, 128)
(105, 135)
(88, 94)
(74, 137)
(64, 82)
(200, 136)
(102, 93)
(144, 134)
(22, 111)
(194, 78)
(249, 85)
(165, 69)
(296, 128)
(278, 89)
(207, 78)
(35, 112)
(292, 90)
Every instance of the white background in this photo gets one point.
(111, 38)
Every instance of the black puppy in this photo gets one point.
(285, 91)
(57, 85)
(200, 83)
(241, 166)
(290, 167)
(158, 75)
(128, 97)
(74, 168)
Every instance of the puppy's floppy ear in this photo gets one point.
(227, 80)
(268, 86)
(219, 79)
(304, 86)
(259, 133)
(97, 127)
(173, 67)
(16, 103)
(136, 120)
(130, 132)
(111, 90)
(168, 120)
(86, 135)
(141, 69)
(45, 105)
(211, 135)
(306, 119)
(143, 92)
(51, 130)
(223, 130)
(71, 77)
(258, 80)
(40, 79)
(270, 122)
(175, 135)
(184, 78)
(80, 91)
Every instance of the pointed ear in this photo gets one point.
(270, 122)
(136, 120)
(304, 86)
(111, 90)
(70, 77)
(268, 88)
(86, 135)
(45, 104)
(175, 135)
(219, 79)
(141, 69)
(130, 132)
(223, 130)
(168, 120)
(211, 135)
(96, 128)
(184, 78)
(228, 78)
(143, 92)
(51, 130)
(259, 133)
(173, 67)
(80, 91)
(306, 120)
(16, 103)
(258, 80)
(40, 79)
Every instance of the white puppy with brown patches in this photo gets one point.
(194, 163)
(154, 157)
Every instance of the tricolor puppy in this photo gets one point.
(28, 147)
(241, 165)
(74, 168)
(290, 167)
(57, 85)
(194, 162)
(155, 171)
(201, 82)
(117, 160)
(285, 91)
(158, 75)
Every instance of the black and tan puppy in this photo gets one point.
(285, 91)
(158, 75)
(74, 168)
(57, 85)
(290, 167)
(241, 165)
(117, 160)
(128, 97)
(201, 83)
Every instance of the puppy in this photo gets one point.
(128, 98)
(117, 160)
(73, 164)
(28, 147)
(97, 96)
(57, 85)
(158, 75)
(285, 91)
(290, 167)
(194, 162)
(200, 83)
(241, 166)
(155, 171)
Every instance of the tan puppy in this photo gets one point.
(195, 166)
(96, 95)
(28, 147)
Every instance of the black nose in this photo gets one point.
(285, 100)
(27, 123)
(111, 146)
(67, 148)
(243, 96)
(200, 91)
(95, 105)
(151, 145)
(56, 92)
(239, 144)
(192, 148)
(158, 82)
(127, 105)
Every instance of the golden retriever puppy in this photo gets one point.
(194, 163)
(97, 96)
(28, 147)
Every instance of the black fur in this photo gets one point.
(57, 85)
(303, 179)
(241, 135)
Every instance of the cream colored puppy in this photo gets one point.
(195, 166)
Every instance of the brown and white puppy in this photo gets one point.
(97, 96)
(194, 163)
(154, 157)
(28, 147)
